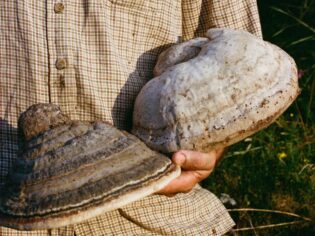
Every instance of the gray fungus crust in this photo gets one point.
(232, 85)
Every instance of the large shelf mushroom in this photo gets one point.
(207, 93)
(215, 91)
(71, 171)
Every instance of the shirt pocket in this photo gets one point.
(138, 5)
(154, 19)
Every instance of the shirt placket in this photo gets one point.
(62, 81)
(61, 74)
(62, 86)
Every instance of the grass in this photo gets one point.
(275, 168)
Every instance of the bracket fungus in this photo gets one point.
(215, 91)
(71, 171)
(208, 93)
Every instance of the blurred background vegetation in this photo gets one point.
(275, 169)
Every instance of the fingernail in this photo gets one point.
(180, 159)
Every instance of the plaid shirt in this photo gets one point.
(92, 57)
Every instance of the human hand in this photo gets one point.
(195, 166)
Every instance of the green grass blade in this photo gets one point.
(302, 40)
(307, 26)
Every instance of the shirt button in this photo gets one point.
(59, 7)
(61, 64)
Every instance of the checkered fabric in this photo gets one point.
(92, 57)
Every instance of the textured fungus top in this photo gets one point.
(71, 171)
(212, 92)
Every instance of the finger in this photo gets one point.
(220, 151)
(191, 160)
(219, 154)
(184, 183)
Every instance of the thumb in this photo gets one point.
(192, 160)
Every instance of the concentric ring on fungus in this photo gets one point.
(71, 171)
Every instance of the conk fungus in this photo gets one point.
(208, 93)
(71, 171)
(213, 92)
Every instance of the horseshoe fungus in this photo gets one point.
(71, 171)
(212, 92)
(207, 93)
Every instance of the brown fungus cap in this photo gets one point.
(39, 118)
(71, 171)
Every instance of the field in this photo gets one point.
(274, 170)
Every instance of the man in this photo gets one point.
(92, 58)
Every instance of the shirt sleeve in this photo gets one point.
(200, 15)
